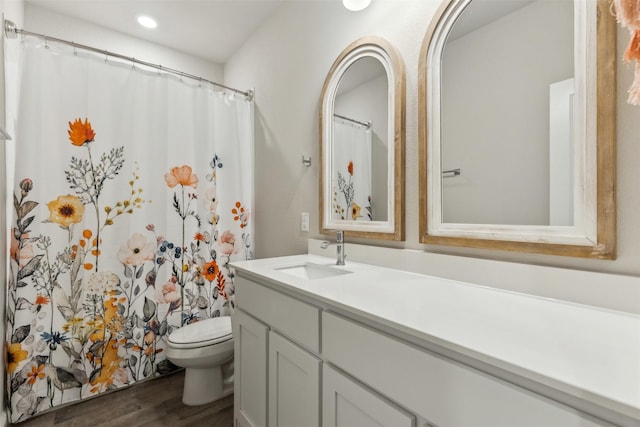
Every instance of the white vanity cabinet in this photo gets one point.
(280, 374)
(277, 368)
(305, 359)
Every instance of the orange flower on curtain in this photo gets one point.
(80, 133)
(211, 271)
(182, 175)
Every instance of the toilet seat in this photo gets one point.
(202, 333)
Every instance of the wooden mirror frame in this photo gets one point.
(393, 227)
(603, 99)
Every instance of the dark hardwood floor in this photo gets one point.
(156, 403)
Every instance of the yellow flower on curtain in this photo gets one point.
(81, 133)
(355, 211)
(15, 355)
(66, 210)
(110, 360)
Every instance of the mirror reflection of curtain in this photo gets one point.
(133, 193)
(352, 171)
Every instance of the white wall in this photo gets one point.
(287, 60)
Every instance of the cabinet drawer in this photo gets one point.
(346, 403)
(442, 391)
(292, 318)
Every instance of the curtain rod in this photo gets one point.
(366, 125)
(11, 32)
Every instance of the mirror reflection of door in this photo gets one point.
(498, 64)
(360, 143)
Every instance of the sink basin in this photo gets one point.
(310, 271)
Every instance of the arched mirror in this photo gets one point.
(362, 142)
(517, 127)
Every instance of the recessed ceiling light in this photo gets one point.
(147, 21)
(356, 5)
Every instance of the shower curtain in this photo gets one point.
(133, 192)
(352, 174)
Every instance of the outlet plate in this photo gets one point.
(304, 221)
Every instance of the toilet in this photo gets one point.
(205, 349)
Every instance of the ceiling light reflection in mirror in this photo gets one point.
(147, 21)
(356, 5)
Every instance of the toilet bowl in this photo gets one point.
(205, 349)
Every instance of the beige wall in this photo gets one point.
(286, 61)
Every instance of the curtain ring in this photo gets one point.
(75, 50)
(106, 56)
(133, 63)
(46, 46)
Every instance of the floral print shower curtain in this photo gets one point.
(133, 192)
(352, 188)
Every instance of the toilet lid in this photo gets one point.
(203, 332)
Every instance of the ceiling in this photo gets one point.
(210, 29)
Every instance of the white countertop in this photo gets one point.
(590, 353)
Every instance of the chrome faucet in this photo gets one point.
(339, 247)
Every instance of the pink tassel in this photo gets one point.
(628, 15)
(634, 89)
(633, 50)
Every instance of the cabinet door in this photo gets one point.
(346, 404)
(294, 385)
(250, 375)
